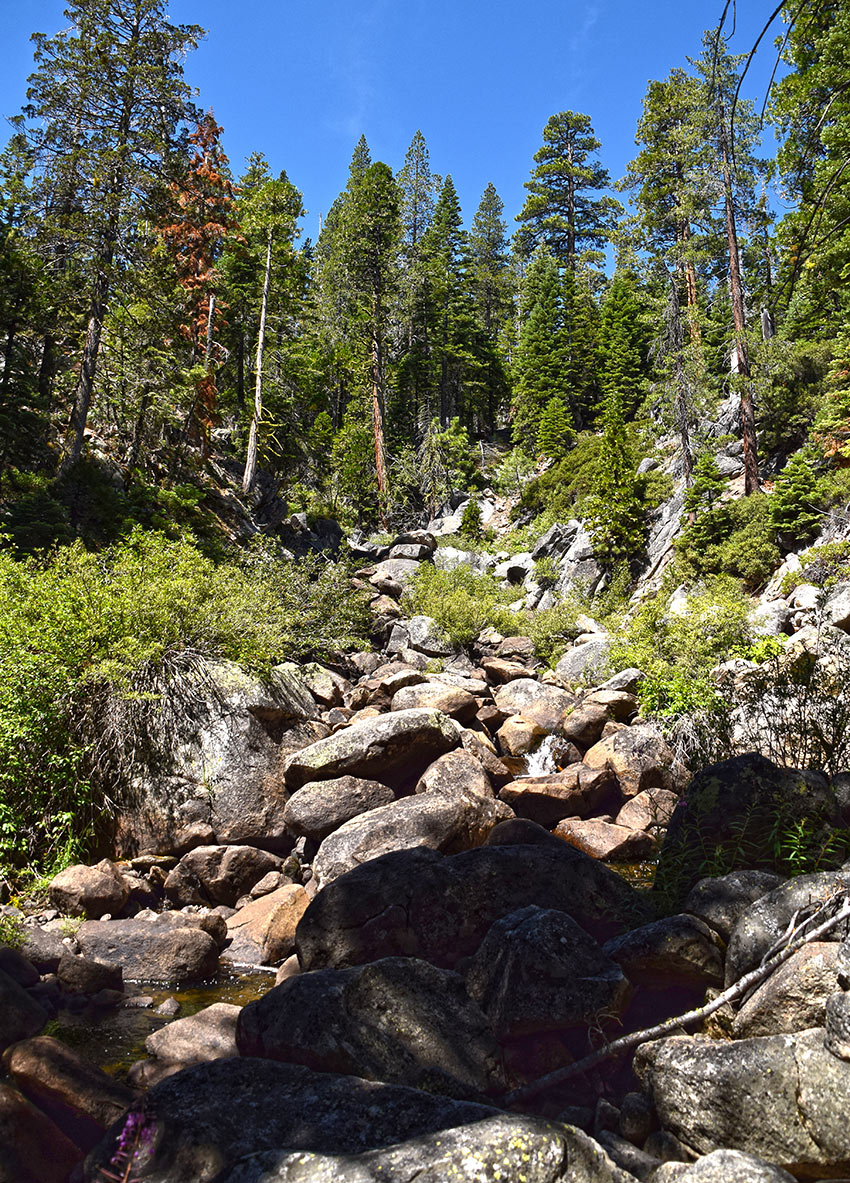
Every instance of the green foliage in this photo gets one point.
(794, 507)
(707, 484)
(734, 537)
(615, 511)
(470, 520)
(546, 572)
(562, 490)
(824, 566)
(462, 602)
(554, 629)
(555, 435)
(677, 651)
(12, 932)
(514, 472)
(88, 643)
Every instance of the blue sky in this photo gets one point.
(300, 82)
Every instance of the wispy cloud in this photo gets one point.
(356, 67)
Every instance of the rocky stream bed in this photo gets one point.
(353, 916)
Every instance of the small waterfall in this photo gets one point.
(543, 761)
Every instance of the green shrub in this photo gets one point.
(89, 642)
(564, 487)
(553, 630)
(462, 602)
(470, 520)
(546, 572)
(736, 538)
(12, 932)
(824, 566)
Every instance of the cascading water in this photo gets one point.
(543, 761)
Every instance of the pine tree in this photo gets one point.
(555, 435)
(115, 72)
(622, 345)
(580, 347)
(615, 511)
(538, 369)
(412, 396)
(491, 284)
(795, 504)
(560, 210)
(444, 252)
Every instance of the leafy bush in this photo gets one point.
(462, 602)
(824, 566)
(553, 630)
(563, 488)
(12, 932)
(546, 572)
(89, 642)
(470, 520)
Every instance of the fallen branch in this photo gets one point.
(650, 1034)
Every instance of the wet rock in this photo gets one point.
(639, 758)
(394, 749)
(89, 891)
(782, 1098)
(542, 704)
(765, 921)
(150, 951)
(518, 736)
(32, 1148)
(320, 807)
(605, 841)
(794, 996)
(263, 932)
(20, 1014)
(422, 904)
(436, 696)
(80, 975)
(210, 1116)
(537, 970)
(210, 1034)
(721, 901)
(734, 806)
(79, 1098)
(399, 1020)
(675, 951)
(441, 821)
(577, 791)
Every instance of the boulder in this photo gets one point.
(81, 1099)
(210, 1116)
(501, 1147)
(445, 822)
(794, 996)
(584, 725)
(837, 1020)
(651, 809)
(32, 1148)
(210, 1034)
(542, 704)
(43, 949)
(17, 967)
(218, 874)
(499, 670)
(675, 951)
(557, 540)
(426, 636)
(320, 807)
(537, 970)
(584, 662)
(577, 791)
(837, 607)
(400, 570)
(89, 891)
(639, 757)
(327, 687)
(765, 921)
(734, 809)
(455, 774)
(20, 1014)
(263, 932)
(420, 903)
(605, 841)
(398, 1020)
(721, 901)
(79, 975)
(518, 736)
(220, 762)
(150, 951)
(394, 749)
(782, 1098)
(436, 696)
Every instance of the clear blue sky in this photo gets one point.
(300, 82)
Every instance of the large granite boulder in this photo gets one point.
(217, 766)
(783, 1098)
(89, 891)
(32, 1147)
(794, 996)
(263, 932)
(20, 1014)
(150, 950)
(455, 774)
(320, 807)
(207, 1118)
(764, 922)
(721, 900)
(210, 1034)
(420, 903)
(675, 951)
(536, 701)
(585, 662)
(576, 791)
(218, 874)
(399, 1020)
(639, 757)
(735, 809)
(441, 821)
(437, 696)
(394, 749)
(537, 970)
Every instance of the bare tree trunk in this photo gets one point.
(740, 354)
(136, 445)
(377, 417)
(91, 349)
(682, 422)
(250, 474)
